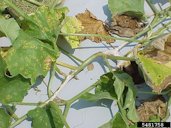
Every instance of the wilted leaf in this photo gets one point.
(124, 26)
(93, 26)
(133, 8)
(9, 28)
(46, 23)
(72, 25)
(4, 119)
(29, 57)
(12, 89)
(155, 63)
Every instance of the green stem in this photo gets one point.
(25, 103)
(81, 67)
(21, 119)
(66, 65)
(52, 75)
(70, 55)
(12, 114)
(59, 71)
(99, 35)
(123, 113)
(69, 102)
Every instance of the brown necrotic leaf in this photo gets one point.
(152, 110)
(93, 26)
(155, 63)
(124, 26)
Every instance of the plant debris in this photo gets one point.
(150, 109)
(93, 26)
(124, 26)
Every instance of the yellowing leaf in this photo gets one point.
(155, 63)
(93, 26)
(72, 25)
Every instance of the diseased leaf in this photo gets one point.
(4, 119)
(150, 109)
(39, 118)
(46, 23)
(29, 57)
(133, 8)
(9, 28)
(25, 6)
(48, 117)
(12, 89)
(155, 63)
(93, 26)
(124, 26)
(57, 115)
(72, 25)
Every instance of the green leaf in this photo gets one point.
(4, 119)
(97, 96)
(2, 6)
(48, 117)
(119, 85)
(133, 8)
(39, 118)
(72, 25)
(46, 23)
(132, 113)
(116, 122)
(12, 89)
(57, 115)
(9, 28)
(108, 124)
(105, 84)
(30, 57)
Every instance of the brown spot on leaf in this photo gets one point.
(125, 26)
(155, 107)
(93, 26)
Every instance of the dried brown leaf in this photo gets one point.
(90, 67)
(93, 26)
(125, 26)
(156, 107)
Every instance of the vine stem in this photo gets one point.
(66, 65)
(82, 66)
(69, 102)
(99, 35)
